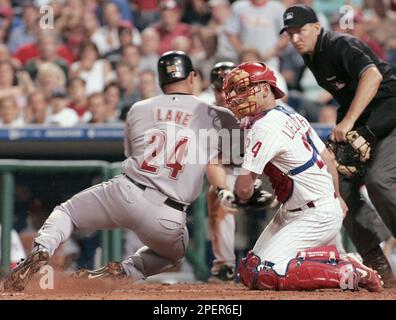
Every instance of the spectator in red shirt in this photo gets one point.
(30, 51)
(169, 26)
(48, 52)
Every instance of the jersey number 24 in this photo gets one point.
(173, 162)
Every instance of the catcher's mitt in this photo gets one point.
(351, 156)
(260, 198)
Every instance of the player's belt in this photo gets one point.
(310, 204)
(169, 202)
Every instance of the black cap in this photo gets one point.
(298, 16)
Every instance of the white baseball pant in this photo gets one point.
(290, 232)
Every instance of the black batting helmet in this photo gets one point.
(173, 66)
(219, 72)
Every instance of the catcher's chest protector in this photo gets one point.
(281, 183)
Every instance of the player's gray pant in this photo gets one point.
(120, 203)
(362, 223)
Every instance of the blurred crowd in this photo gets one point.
(67, 62)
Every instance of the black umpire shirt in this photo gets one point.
(337, 64)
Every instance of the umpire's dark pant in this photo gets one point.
(363, 225)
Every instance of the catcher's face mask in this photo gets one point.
(241, 93)
(243, 89)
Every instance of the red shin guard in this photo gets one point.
(312, 269)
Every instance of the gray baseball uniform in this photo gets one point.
(167, 156)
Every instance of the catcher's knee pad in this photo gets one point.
(257, 274)
(247, 270)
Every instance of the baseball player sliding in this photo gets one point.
(293, 252)
(157, 185)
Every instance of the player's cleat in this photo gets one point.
(368, 278)
(223, 274)
(26, 268)
(376, 260)
(112, 269)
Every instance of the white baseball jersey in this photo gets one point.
(169, 140)
(282, 140)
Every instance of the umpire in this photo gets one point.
(365, 89)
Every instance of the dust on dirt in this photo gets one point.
(66, 288)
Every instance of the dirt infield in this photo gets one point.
(66, 289)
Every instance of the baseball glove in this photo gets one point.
(260, 198)
(351, 156)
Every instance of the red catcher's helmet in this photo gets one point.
(241, 86)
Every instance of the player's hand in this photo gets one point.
(340, 130)
(227, 200)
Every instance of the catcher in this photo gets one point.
(221, 219)
(364, 139)
(293, 252)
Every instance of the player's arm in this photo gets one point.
(217, 178)
(369, 83)
(244, 186)
(358, 65)
(328, 159)
(216, 174)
